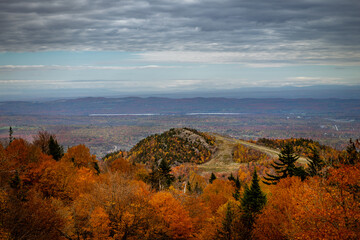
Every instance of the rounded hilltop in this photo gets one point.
(176, 146)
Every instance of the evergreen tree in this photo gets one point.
(153, 177)
(55, 150)
(15, 181)
(11, 138)
(300, 172)
(285, 167)
(165, 170)
(252, 203)
(160, 177)
(315, 163)
(212, 178)
(236, 194)
(188, 187)
(231, 177)
(225, 232)
(237, 183)
(97, 168)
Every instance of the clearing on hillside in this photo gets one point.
(223, 161)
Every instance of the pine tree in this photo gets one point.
(11, 138)
(55, 150)
(225, 232)
(15, 181)
(97, 168)
(315, 163)
(236, 194)
(188, 187)
(160, 177)
(165, 170)
(252, 203)
(237, 183)
(285, 167)
(212, 178)
(231, 177)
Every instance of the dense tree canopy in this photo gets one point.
(70, 198)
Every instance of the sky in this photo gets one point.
(73, 48)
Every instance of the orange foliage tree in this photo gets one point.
(100, 224)
(174, 220)
(199, 212)
(313, 209)
(20, 153)
(57, 181)
(80, 156)
(218, 193)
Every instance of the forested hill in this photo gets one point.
(135, 105)
(176, 146)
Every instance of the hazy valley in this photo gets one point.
(106, 124)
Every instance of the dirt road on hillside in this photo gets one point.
(222, 161)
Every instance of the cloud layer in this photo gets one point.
(68, 67)
(257, 31)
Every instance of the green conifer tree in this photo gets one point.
(55, 150)
(97, 168)
(237, 183)
(315, 163)
(236, 194)
(15, 181)
(252, 202)
(212, 178)
(188, 187)
(231, 177)
(226, 230)
(285, 167)
(167, 177)
(160, 177)
(11, 138)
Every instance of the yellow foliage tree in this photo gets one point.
(100, 224)
(174, 222)
(80, 156)
(218, 193)
(312, 209)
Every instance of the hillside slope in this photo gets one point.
(212, 152)
(176, 146)
(222, 160)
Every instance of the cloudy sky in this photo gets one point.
(108, 47)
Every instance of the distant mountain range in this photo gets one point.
(316, 91)
(191, 106)
(292, 92)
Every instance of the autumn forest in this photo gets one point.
(161, 189)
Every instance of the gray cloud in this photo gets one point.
(62, 67)
(319, 31)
